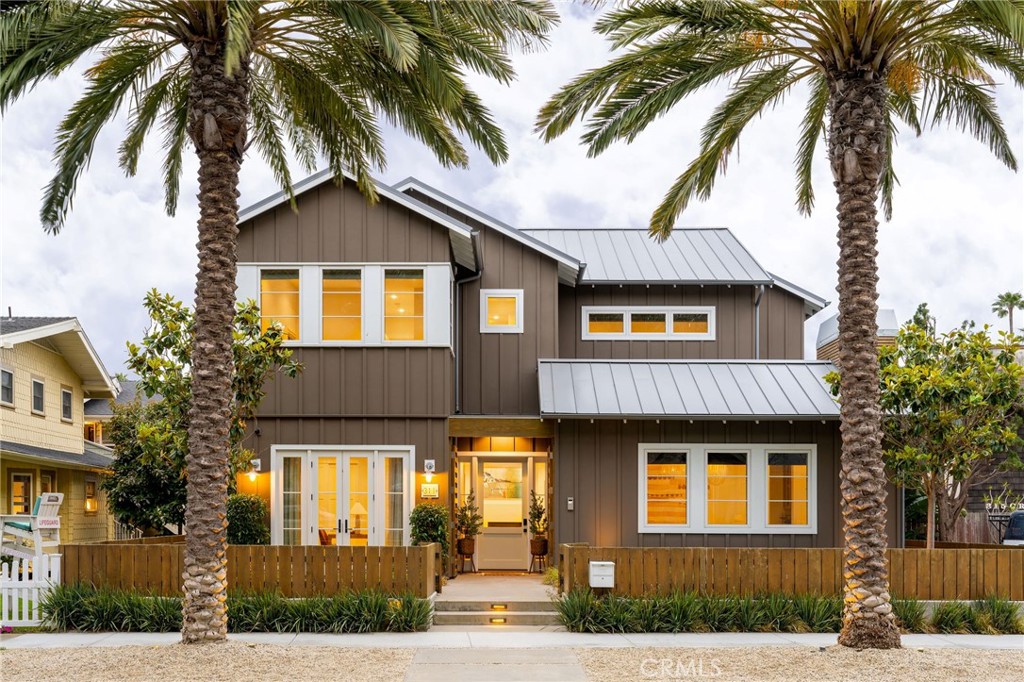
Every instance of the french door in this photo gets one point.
(329, 496)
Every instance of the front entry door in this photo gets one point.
(503, 486)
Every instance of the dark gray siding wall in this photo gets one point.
(337, 225)
(596, 464)
(498, 372)
(782, 322)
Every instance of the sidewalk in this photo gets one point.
(505, 638)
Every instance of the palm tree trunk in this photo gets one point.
(857, 149)
(218, 114)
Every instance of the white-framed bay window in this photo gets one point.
(354, 495)
(354, 304)
(727, 488)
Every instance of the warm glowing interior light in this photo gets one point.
(497, 621)
(499, 607)
(430, 477)
(252, 476)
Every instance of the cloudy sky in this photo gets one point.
(955, 241)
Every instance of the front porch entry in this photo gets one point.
(502, 481)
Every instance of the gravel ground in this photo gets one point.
(226, 662)
(801, 663)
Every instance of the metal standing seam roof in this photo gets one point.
(694, 389)
(688, 256)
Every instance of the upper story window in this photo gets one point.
(342, 305)
(38, 396)
(501, 311)
(652, 323)
(403, 305)
(67, 397)
(707, 488)
(94, 432)
(6, 387)
(279, 300)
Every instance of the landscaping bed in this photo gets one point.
(583, 611)
(90, 609)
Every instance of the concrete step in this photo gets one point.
(496, 618)
(495, 605)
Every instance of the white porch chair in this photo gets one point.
(27, 536)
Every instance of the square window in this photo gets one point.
(66, 404)
(690, 323)
(342, 302)
(501, 311)
(279, 301)
(605, 323)
(403, 305)
(647, 323)
(6, 387)
(38, 396)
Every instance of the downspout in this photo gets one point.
(757, 321)
(458, 321)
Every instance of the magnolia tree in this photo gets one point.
(147, 485)
(953, 415)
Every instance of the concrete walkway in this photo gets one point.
(503, 638)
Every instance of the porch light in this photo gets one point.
(254, 467)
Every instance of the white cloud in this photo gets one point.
(956, 239)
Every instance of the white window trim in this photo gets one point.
(382, 302)
(32, 397)
(485, 325)
(307, 453)
(668, 311)
(757, 488)
(259, 297)
(3, 402)
(362, 309)
(71, 392)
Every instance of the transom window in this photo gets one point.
(6, 387)
(403, 305)
(715, 488)
(38, 396)
(279, 300)
(342, 305)
(501, 311)
(649, 323)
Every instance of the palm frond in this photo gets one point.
(812, 129)
(175, 125)
(146, 112)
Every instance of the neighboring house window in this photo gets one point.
(47, 481)
(21, 493)
(279, 300)
(709, 488)
(652, 323)
(6, 387)
(403, 305)
(92, 504)
(38, 396)
(94, 432)
(501, 311)
(67, 397)
(342, 305)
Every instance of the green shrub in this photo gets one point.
(719, 613)
(247, 520)
(429, 523)
(910, 614)
(779, 614)
(818, 613)
(955, 617)
(577, 610)
(998, 616)
(682, 612)
(86, 608)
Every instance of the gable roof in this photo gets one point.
(569, 266)
(102, 407)
(692, 389)
(813, 302)
(93, 455)
(68, 338)
(460, 234)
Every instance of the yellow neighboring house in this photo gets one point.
(48, 369)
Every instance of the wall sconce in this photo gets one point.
(428, 469)
(254, 467)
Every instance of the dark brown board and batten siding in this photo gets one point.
(782, 322)
(596, 465)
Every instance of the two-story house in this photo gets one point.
(48, 368)
(653, 394)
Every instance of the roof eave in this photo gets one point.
(695, 417)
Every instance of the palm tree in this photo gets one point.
(867, 66)
(1004, 305)
(313, 75)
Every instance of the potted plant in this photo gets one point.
(468, 522)
(538, 526)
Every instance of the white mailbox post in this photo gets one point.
(602, 574)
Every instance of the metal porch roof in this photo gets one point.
(693, 389)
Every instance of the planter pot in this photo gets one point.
(466, 546)
(539, 546)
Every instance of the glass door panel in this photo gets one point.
(291, 498)
(357, 499)
(394, 501)
(327, 480)
(502, 496)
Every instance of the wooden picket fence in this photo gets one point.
(300, 571)
(918, 573)
(23, 584)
